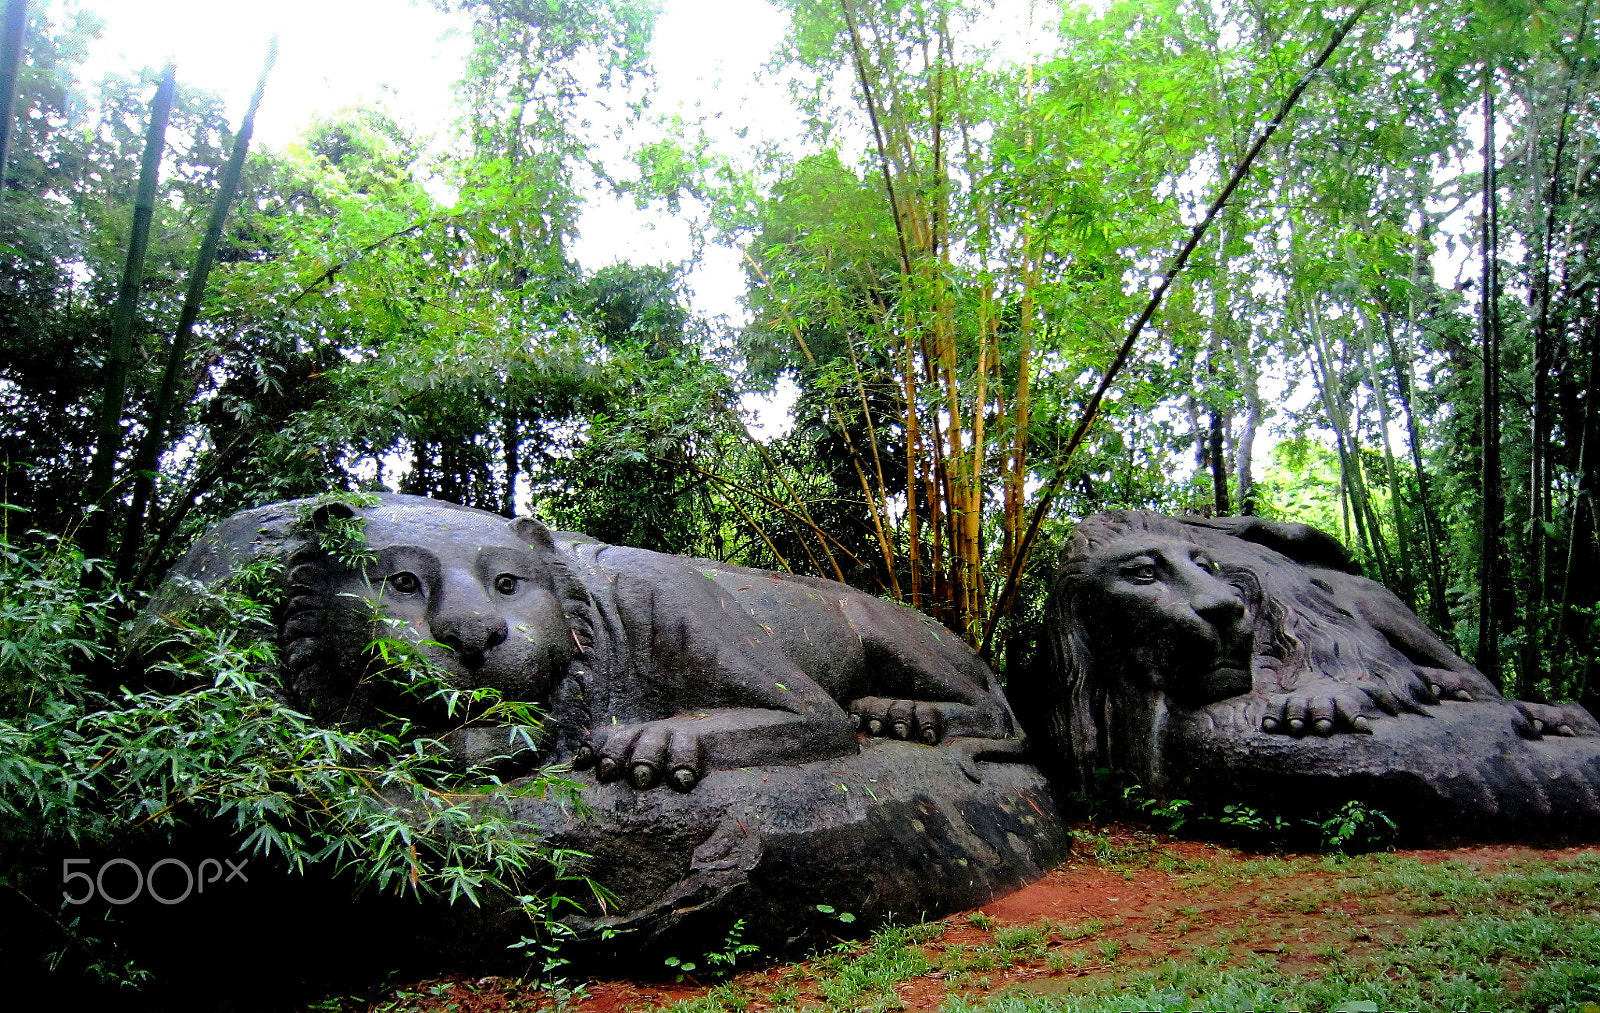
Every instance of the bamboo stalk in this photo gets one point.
(16, 30)
(877, 133)
(760, 531)
(155, 436)
(1489, 577)
(816, 530)
(1438, 610)
(913, 439)
(1397, 511)
(108, 427)
(879, 503)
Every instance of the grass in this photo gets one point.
(1523, 938)
(1526, 961)
(1515, 931)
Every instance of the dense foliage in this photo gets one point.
(209, 752)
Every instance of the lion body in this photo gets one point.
(656, 666)
(1349, 693)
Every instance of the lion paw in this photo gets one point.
(1568, 720)
(1448, 684)
(916, 720)
(647, 754)
(1320, 709)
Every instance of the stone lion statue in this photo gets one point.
(652, 666)
(829, 750)
(1249, 659)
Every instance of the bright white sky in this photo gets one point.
(406, 57)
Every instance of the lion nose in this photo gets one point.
(471, 634)
(1221, 607)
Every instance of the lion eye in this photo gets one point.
(1144, 573)
(507, 584)
(403, 583)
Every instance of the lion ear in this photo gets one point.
(323, 516)
(534, 533)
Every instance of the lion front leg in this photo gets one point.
(680, 750)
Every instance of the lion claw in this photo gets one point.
(642, 776)
(1567, 720)
(1323, 708)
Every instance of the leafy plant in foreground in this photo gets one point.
(83, 769)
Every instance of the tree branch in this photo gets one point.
(1092, 411)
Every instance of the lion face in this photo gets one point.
(469, 590)
(1162, 606)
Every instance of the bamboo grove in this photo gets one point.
(1018, 262)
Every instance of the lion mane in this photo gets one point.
(1302, 633)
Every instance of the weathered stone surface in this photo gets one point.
(753, 744)
(1246, 660)
(899, 829)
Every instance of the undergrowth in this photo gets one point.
(89, 767)
(1351, 825)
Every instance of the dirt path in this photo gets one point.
(1127, 899)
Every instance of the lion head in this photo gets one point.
(1152, 616)
(489, 602)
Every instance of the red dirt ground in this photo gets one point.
(1152, 898)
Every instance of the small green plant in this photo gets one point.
(721, 960)
(340, 529)
(1354, 825)
(784, 993)
(1358, 826)
(1019, 937)
(733, 949)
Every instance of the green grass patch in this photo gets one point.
(1526, 938)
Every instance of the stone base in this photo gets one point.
(1460, 773)
(900, 830)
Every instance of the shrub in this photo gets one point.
(84, 768)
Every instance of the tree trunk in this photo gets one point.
(1404, 585)
(1490, 556)
(511, 446)
(1219, 465)
(1244, 366)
